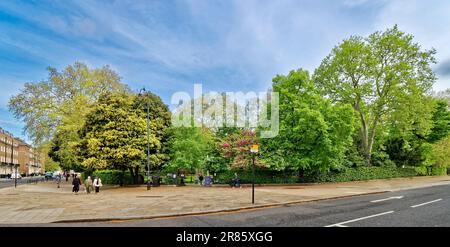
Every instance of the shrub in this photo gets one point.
(431, 171)
(360, 173)
(261, 176)
(421, 170)
(438, 171)
(112, 176)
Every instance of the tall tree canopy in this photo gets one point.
(114, 135)
(314, 134)
(441, 122)
(385, 77)
(189, 148)
(65, 97)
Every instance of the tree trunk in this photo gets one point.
(122, 176)
(366, 143)
(136, 175)
(371, 141)
(132, 174)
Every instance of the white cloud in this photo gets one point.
(428, 21)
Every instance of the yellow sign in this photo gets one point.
(254, 149)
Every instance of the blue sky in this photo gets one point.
(227, 45)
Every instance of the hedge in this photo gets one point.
(111, 176)
(431, 171)
(438, 171)
(361, 173)
(261, 177)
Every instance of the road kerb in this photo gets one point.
(227, 210)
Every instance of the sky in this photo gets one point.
(229, 45)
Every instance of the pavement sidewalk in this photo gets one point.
(45, 203)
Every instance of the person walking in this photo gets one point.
(97, 184)
(76, 184)
(89, 185)
(58, 180)
(201, 179)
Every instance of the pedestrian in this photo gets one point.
(236, 181)
(58, 180)
(97, 184)
(201, 179)
(76, 184)
(88, 184)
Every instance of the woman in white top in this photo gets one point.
(97, 184)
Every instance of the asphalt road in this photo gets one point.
(425, 207)
(5, 182)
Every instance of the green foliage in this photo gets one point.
(112, 176)
(441, 153)
(189, 148)
(438, 171)
(63, 99)
(421, 170)
(360, 173)
(314, 134)
(114, 136)
(385, 77)
(262, 176)
(381, 158)
(235, 148)
(441, 122)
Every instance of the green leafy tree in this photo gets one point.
(314, 134)
(54, 110)
(189, 148)
(386, 77)
(114, 135)
(444, 95)
(43, 106)
(442, 152)
(160, 121)
(441, 122)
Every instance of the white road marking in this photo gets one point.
(425, 203)
(389, 198)
(358, 219)
(340, 225)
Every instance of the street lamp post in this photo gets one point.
(254, 150)
(148, 142)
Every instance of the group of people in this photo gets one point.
(88, 184)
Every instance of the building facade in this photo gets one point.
(15, 154)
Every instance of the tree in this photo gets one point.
(379, 75)
(442, 152)
(55, 109)
(444, 95)
(114, 135)
(235, 149)
(441, 122)
(63, 150)
(413, 146)
(314, 134)
(43, 106)
(160, 121)
(189, 148)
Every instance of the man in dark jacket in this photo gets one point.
(76, 184)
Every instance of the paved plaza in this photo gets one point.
(45, 203)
